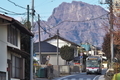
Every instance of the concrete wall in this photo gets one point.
(53, 60)
(62, 70)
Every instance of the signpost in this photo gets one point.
(81, 58)
(81, 61)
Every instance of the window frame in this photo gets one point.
(2, 75)
(12, 35)
(17, 67)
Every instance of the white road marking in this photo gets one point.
(80, 78)
(73, 79)
(96, 77)
(88, 79)
(64, 77)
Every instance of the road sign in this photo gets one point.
(81, 56)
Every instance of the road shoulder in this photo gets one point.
(101, 77)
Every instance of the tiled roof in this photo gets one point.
(55, 37)
(45, 47)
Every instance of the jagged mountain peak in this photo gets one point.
(77, 10)
(76, 21)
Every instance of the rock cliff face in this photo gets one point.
(77, 22)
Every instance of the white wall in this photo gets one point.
(61, 42)
(53, 60)
(3, 48)
(4, 55)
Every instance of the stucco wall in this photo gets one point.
(3, 48)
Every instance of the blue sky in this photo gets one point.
(42, 7)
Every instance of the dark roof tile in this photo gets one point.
(45, 47)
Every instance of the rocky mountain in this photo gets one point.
(76, 21)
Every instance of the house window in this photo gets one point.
(12, 35)
(17, 67)
(2, 76)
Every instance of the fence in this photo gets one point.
(57, 71)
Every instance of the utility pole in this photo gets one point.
(31, 58)
(58, 52)
(111, 32)
(40, 60)
(110, 2)
(28, 26)
(57, 47)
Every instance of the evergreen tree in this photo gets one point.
(67, 53)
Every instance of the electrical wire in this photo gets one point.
(42, 4)
(12, 11)
(79, 21)
(42, 27)
(71, 21)
(46, 30)
(17, 4)
(4, 12)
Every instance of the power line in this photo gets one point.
(44, 3)
(11, 11)
(17, 4)
(79, 21)
(99, 17)
(44, 30)
(4, 12)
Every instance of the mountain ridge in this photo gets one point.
(79, 19)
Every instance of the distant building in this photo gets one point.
(49, 47)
